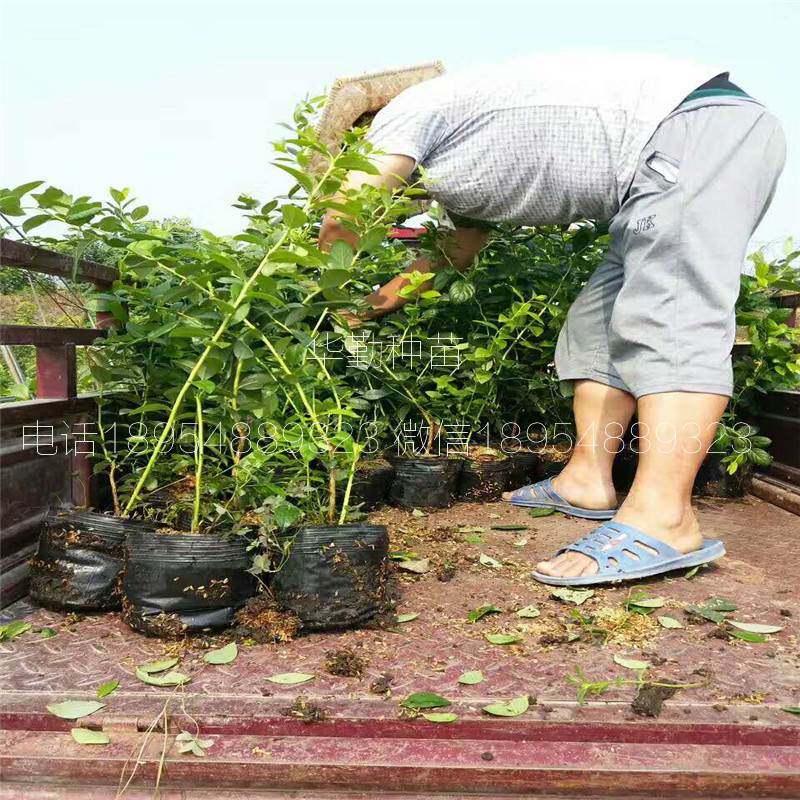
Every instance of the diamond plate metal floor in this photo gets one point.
(726, 737)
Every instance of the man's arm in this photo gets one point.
(459, 249)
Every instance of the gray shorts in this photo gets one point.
(658, 314)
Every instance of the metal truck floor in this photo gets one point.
(726, 737)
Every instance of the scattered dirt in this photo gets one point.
(625, 628)
(163, 626)
(446, 572)
(650, 699)
(261, 620)
(383, 684)
(306, 711)
(346, 662)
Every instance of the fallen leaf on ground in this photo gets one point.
(86, 736)
(480, 612)
(158, 666)
(406, 617)
(441, 716)
(290, 678)
(529, 612)
(503, 638)
(669, 622)
(471, 678)
(488, 561)
(166, 679)
(631, 663)
(513, 708)
(754, 627)
(106, 688)
(419, 700)
(576, 596)
(224, 655)
(74, 709)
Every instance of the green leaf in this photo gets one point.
(106, 688)
(541, 512)
(488, 561)
(241, 312)
(340, 256)
(631, 663)
(294, 216)
(440, 716)
(747, 636)
(13, 629)
(406, 617)
(648, 602)
(754, 627)
(224, 655)
(74, 709)
(473, 538)
(157, 666)
(669, 622)
(529, 612)
(720, 604)
(482, 611)
(419, 700)
(334, 278)
(791, 709)
(242, 350)
(706, 613)
(35, 222)
(509, 527)
(503, 638)
(513, 708)
(290, 678)
(162, 679)
(86, 736)
(471, 678)
(47, 633)
(575, 596)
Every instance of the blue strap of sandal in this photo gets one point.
(619, 548)
(544, 495)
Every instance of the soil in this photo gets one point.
(383, 684)
(650, 699)
(486, 455)
(346, 662)
(75, 537)
(306, 711)
(162, 626)
(261, 620)
(372, 465)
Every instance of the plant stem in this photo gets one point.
(198, 457)
(358, 449)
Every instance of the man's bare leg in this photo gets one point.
(602, 414)
(675, 430)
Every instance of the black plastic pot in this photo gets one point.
(177, 583)
(79, 561)
(335, 576)
(370, 485)
(424, 482)
(714, 480)
(524, 467)
(484, 479)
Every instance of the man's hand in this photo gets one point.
(460, 248)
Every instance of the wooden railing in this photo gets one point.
(32, 479)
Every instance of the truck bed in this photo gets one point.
(726, 737)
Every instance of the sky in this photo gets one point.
(180, 99)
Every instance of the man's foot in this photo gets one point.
(581, 490)
(680, 530)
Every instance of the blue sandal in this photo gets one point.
(543, 495)
(620, 556)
